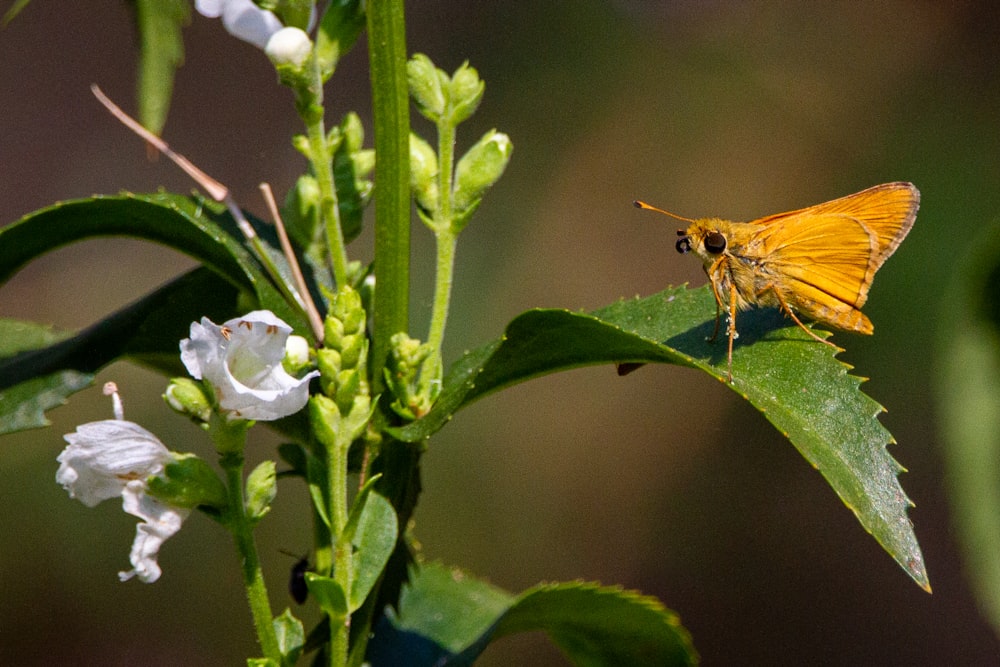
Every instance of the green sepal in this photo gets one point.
(188, 482)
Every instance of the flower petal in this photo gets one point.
(102, 457)
(160, 522)
(242, 19)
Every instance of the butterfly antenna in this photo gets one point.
(649, 207)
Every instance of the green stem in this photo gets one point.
(446, 238)
(387, 55)
(322, 164)
(253, 576)
(446, 242)
(336, 474)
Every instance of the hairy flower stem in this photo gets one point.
(253, 576)
(342, 566)
(446, 242)
(322, 164)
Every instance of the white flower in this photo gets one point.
(242, 19)
(245, 20)
(113, 458)
(242, 361)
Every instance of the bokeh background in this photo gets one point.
(662, 481)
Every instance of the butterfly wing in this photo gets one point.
(822, 259)
(887, 211)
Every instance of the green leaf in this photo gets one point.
(291, 636)
(161, 52)
(193, 226)
(442, 612)
(329, 595)
(969, 400)
(338, 30)
(373, 541)
(598, 626)
(38, 373)
(796, 383)
(23, 406)
(447, 617)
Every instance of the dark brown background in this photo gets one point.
(662, 481)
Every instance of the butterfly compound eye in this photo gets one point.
(715, 243)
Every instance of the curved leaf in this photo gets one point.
(448, 618)
(794, 382)
(193, 226)
(596, 626)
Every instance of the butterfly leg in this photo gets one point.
(788, 311)
(731, 329)
(718, 301)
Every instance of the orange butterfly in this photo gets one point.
(818, 261)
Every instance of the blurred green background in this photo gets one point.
(661, 481)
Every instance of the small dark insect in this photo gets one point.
(297, 587)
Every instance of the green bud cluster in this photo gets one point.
(447, 101)
(352, 168)
(343, 365)
(441, 98)
(403, 375)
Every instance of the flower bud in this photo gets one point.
(329, 363)
(187, 397)
(261, 488)
(427, 86)
(465, 93)
(478, 170)
(296, 354)
(301, 213)
(423, 173)
(354, 347)
(289, 47)
(333, 331)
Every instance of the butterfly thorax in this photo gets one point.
(732, 255)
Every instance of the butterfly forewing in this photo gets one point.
(887, 210)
